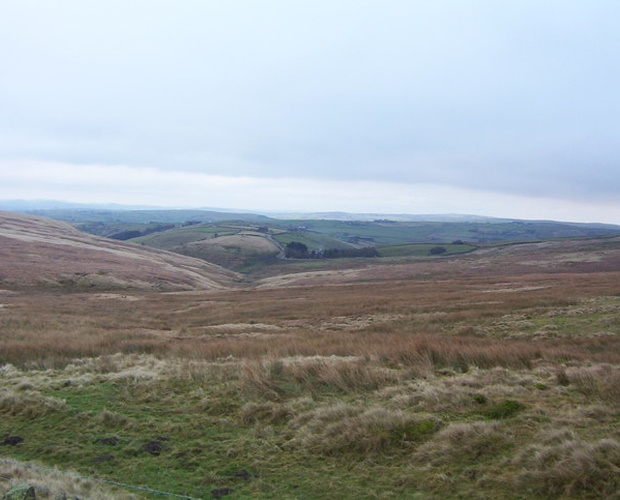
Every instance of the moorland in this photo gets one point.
(491, 370)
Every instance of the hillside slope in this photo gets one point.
(577, 256)
(35, 250)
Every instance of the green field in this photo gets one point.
(314, 241)
(171, 239)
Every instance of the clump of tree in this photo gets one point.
(438, 250)
(336, 253)
(126, 235)
(133, 233)
(298, 250)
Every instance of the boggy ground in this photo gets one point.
(491, 375)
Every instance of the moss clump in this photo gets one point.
(479, 398)
(505, 409)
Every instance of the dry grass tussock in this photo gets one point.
(475, 391)
(426, 395)
(28, 403)
(276, 379)
(21, 384)
(598, 382)
(274, 412)
(50, 484)
(343, 428)
(564, 465)
(467, 442)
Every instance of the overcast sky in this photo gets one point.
(395, 106)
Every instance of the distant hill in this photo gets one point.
(249, 242)
(141, 216)
(346, 216)
(40, 251)
(34, 205)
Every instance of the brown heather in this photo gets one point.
(50, 328)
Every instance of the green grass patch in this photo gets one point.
(172, 437)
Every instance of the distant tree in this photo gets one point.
(157, 228)
(338, 253)
(437, 250)
(126, 235)
(296, 250)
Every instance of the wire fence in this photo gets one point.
(96, 480)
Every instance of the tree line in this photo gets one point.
(298, 250)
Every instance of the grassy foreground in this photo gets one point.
(463, 387)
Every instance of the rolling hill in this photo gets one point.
(251, 243)
(35, 250)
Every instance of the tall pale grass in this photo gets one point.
(463, 442)
(599, 382)
(566, 466)
(342, 428)
(275, 379)
(50, 484)
(28, 404)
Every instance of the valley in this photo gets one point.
(253, 243)
(489, 371)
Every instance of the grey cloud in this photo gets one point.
(518, 97)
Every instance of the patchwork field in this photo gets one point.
(493, 374)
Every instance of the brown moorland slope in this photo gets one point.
(40, 251)
(581, 256)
